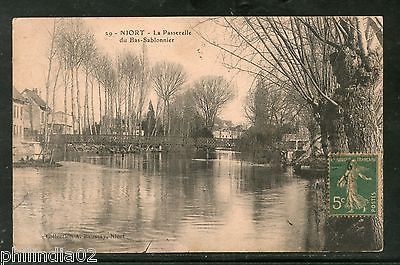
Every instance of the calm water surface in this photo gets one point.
(167, 202)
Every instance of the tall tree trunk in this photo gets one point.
(118, 124)
(312, 127)
(360, 121)
(65, 98)
(85, 105)
(111, 103)
(53, 109)
(111, 112)
(169, 118)
(133, 113)
(100, 112)
(78, 100)
(164, 118)
(73, 101)
(157, 118)
(357, 76)
(126, 114)
(129, 117)
(335, 127)
(93, 130)
(50, 58)
(106, 112)
(116, 114)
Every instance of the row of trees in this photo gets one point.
(273, 112)
(115, 90)
(193, 112)
(333, 66)
(107, 95)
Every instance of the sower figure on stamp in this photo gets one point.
(354, 199)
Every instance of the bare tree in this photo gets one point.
(284, 50)
(76, 43)
(88, 66)
(273, 112)
(357, 60)
(210, 94)
(185, 118)
(271, 104)
(51, 57)
(102, 73)
(321, 57)
(333, 63)
(133, 74)
(143, 81)
(167, 79)
(158, 117)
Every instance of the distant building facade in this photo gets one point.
(60, 122)
(296, 141)
(34, 114)
(295, 144)
(18, 104)
(24, 145)
(229, 133)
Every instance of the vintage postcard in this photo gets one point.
(198, 134)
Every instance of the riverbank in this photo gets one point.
(314, 168)
(113, 149)
(266, 157)
(318, 212)
(35, 163)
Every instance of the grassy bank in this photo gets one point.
(35, 163)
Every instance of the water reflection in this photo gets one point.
(178, 202)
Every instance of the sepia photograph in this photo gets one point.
(198, 134)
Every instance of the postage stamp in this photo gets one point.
(353, 185)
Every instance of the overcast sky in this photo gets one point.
(31, 43)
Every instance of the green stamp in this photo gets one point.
(353, 184)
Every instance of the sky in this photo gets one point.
(31, 44)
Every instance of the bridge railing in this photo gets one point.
(146, 140)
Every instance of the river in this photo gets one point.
(165, 202)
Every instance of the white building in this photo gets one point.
(228, 133)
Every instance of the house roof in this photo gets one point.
(33, 96)
(18, 96)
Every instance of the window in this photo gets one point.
(14, 129)
(20, 109)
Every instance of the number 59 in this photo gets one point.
(337, 202)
